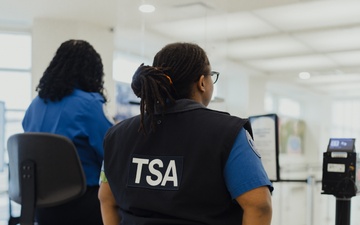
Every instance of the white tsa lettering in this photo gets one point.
(140, 163)
(155, 172)
(155, 176)
(171, 168)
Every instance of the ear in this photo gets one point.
(201, 84)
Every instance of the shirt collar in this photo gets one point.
(183, 105)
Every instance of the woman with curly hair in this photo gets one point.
(70, 103)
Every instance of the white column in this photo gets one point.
(234, 89)
(257, 90)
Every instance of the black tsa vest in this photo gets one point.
(175, 174)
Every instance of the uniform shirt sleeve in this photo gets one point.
(103, 178)
(96, 125)
(244, 170)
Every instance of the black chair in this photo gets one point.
(44, 171)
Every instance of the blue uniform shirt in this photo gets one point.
(244, 170)
(80, 117)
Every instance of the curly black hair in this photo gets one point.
(76, 64)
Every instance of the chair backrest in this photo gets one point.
(57, 173)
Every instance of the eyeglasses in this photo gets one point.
(214, 76)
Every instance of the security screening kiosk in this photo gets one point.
(341, 175)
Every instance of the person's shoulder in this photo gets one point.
(222, 119)
(125, 125)
(129, 121)
(221, 114)
(36, 103)
(37, 100)
(87, 96)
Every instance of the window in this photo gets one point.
(289, 107)
(15, 78)
(15, 89)
(15, 67)
(269, 103)
(345, 121)
(283, 106)
(124, 66)
(15, 96)
(15, 51)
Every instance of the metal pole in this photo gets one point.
(310, 200)
(343, 209)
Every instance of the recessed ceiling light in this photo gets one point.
(146, 8)
(304, 75)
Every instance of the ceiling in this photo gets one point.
(276, 39)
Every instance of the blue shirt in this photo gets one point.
(81, 118)
(244, 170)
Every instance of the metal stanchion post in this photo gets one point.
(310, 200)
(343, 209)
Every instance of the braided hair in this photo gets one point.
(175, 69)
(76, 64)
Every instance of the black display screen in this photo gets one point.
(342, 144)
